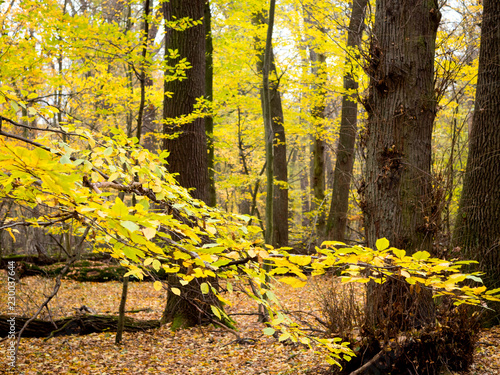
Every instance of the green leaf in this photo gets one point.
(14, 106)
(475, 278)
(130, 225)
(65, 160)
(269, 331)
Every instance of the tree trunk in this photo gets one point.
(401, 107)
(276, 158)
(188, 152)
(280, 202)
(121, 312)
(337, 218)
(477, 228)
(139, 132)
(318, 65)
(209, 120)
(150, 126)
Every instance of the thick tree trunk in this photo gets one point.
(276, 158)
(192, 307)
(188, 152)
(401, 108)
(477, 229)
(337, 218)
(209, 120)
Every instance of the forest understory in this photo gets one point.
(200, 350)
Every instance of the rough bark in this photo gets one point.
(192, 307)
(209, 121)
(188, 152)
(401, 106)
(477, 229)
(337, 218)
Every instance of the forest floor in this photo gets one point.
(202, 350)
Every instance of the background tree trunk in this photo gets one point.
(188, 152)
(276, 157)
(337, 218)
(401, 108)
(318, 65)
(477, 229)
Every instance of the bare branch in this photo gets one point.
(41, 129)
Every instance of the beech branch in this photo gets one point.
(39, 145)
(58, 131)
(38, 223)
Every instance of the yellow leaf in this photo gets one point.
(11, 234)
(211, 230)
(176, 291)
(405, 274)
(382, 244)
(296, 283)
(157, 285)
(149, 233)
(114, 176)
(421, 255)
(216, 311)
(399, 253)
(156, 265)
(301, 260)
(284, 336)
(204, 288)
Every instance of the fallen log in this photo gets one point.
(76, 325)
